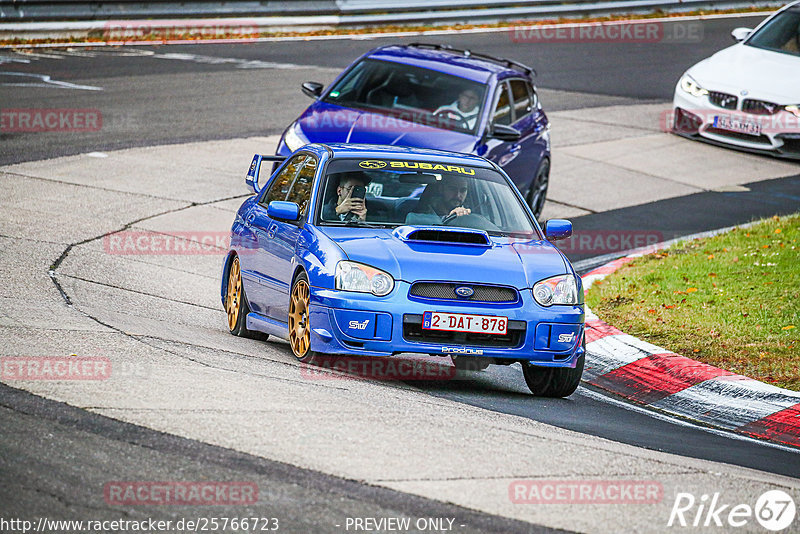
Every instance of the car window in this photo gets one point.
(282, 183)
(502, 111)
(300, 192)
(521, 94)
(410, 93)
(780, 34)
(402, 192)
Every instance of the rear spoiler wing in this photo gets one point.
(255, 166)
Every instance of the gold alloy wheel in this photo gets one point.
(234, 296)
(299, 331)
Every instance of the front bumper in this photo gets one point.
(360, 324)
(696, 117)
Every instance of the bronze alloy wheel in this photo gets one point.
(234, 294)
(299, 329)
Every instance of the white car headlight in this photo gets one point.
(561, 289)
(793, 109)
(692, 87)
(352, 276)
(294, 138)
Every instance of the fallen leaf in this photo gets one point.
(710, 256)
(696, 350)
(651, 310)
(777, 230)
(691, 289)
(788, 327)
(712, 275)
(669, 307)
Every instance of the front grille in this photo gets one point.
(791, 145)
(446, 291)
(413, 331)
(763, 139)
(723, 100)
(760, 107)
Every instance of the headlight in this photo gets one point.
(692, 87)
(794, 110)
(562, 289)
(294, 138)
(352, 276)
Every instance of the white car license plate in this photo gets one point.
(462, 322)
(737, 124)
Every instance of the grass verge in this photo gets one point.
(732, 300)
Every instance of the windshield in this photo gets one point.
(414, 94)
(780, 34)
(389, 193)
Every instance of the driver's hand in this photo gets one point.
(459, 211)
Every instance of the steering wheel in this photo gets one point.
(452, 115)
(449, 218)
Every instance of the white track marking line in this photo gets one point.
(46, 81)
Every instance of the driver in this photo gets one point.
(441, 200)
(464, 109)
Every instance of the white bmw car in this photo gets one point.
(747, 95)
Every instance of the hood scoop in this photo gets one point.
(442, 234)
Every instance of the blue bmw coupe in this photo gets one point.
(373, 251)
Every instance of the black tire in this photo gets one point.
(554, 381)
(537, 193)
(236, 306)
(468, 363)
(299, 321)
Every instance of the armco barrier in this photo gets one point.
(33, 19)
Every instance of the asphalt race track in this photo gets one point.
(326, 450)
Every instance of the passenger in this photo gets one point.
(344, 207)
(464, 110)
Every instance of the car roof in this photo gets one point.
(343, 150)
(448, 61)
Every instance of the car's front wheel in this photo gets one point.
(537, 193)
(299, 320)
(554, 381)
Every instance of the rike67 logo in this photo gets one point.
(774, 510)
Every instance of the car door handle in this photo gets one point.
(250, 218)
(271, 232)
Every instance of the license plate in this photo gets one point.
(462, 322)
(737, 124)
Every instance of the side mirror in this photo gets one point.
(312, 89)
(504, 133)
(740, 34)
(284, 211)
(252, 174)
(556, 229)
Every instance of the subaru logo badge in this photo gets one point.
(745, 92)
(464, 291)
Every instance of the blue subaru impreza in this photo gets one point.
(435, 96)
(373, 251)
